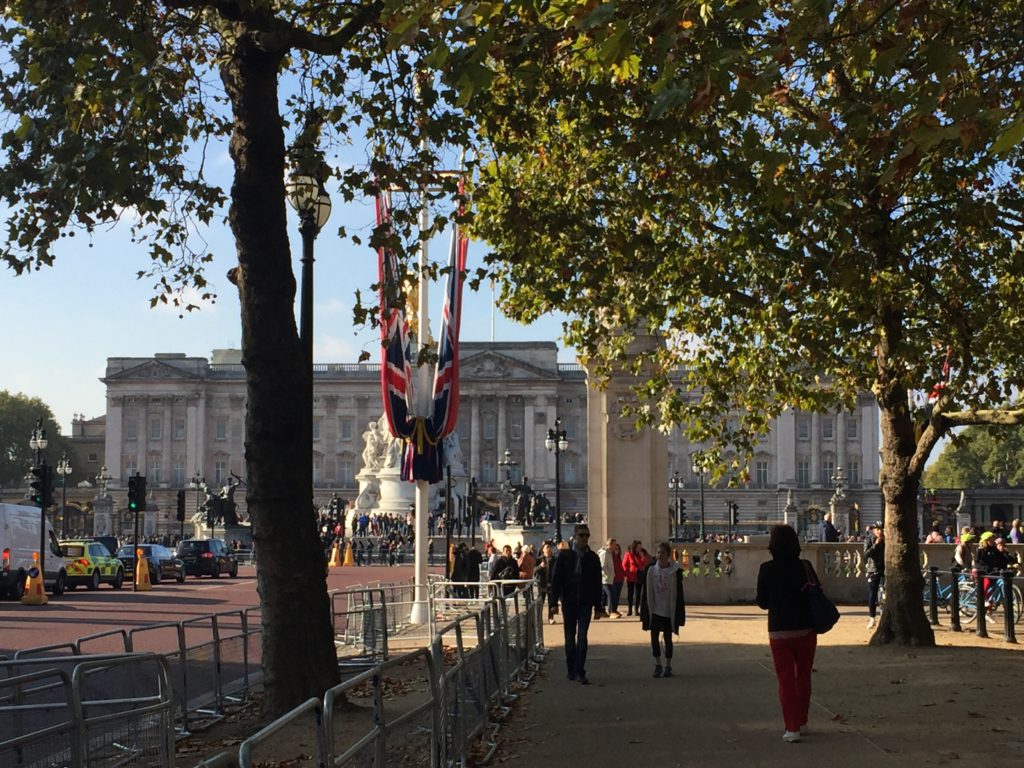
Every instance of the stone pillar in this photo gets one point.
(142, 438)
(103, 508)
(815, 450)
(841, 441)
(531, 468)
(785, 448)
(193, 461)
(166, 435)
(627, 470)
(869, 462)
(114, 436)
(474, 438)
(502, 436)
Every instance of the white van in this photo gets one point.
(19, 540)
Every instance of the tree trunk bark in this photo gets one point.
(299, 659)
(903, 619)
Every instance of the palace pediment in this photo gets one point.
(493, 365)
(151, 369)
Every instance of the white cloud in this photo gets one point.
(333, 349)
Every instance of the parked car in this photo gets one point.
(110, 542)
(161, 561)
(91, 563)
(19, 540)
(207, 557)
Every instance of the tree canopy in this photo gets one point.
(19, 415)
(810, 200)
(979, 457)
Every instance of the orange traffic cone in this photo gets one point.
(335, 561)
(142, 582)
(35, 593)
(349, 558)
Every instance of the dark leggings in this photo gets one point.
(662, 625)
(874, 581)
(633, 595)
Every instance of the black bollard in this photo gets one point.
(954, 601)
(981, 630)
(1009, 609)
(933, 596)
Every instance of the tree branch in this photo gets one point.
(279, 34)
(1006, 417)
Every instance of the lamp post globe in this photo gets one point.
(64, 469)
(557, 442)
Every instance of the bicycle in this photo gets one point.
(994, 600)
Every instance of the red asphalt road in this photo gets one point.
(80, 613)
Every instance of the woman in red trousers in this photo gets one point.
(780, 584)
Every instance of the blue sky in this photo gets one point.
(63, 322)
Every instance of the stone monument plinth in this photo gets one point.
(506, 533)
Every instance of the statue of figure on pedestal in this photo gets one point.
(524, 495)
(367, 498)
(453, 455)
(373, 447)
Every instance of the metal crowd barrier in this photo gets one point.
(63, 705)
(467, 674)
(86, 712)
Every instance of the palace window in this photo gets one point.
(851, 427)
(828, 431)
(803, 474)
(131, 429)
(803, 427)
(345, 425)
(179, 429)
(761, 474)
(156, 428)
(221, 430)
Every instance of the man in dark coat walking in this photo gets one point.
(576, 584)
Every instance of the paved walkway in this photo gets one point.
(871, 707)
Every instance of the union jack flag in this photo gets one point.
(446, 378)
(396, 369)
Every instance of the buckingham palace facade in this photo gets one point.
(171, 417)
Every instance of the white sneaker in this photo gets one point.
(871, 623)
(791, 736)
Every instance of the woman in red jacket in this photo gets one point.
(633, 569)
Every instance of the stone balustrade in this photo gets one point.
(840, 567)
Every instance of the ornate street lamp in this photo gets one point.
(674, 484)
(700, 470)
(63, 469)
(38, 443)
(557, 442)
(307, 196)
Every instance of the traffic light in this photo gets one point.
(136, 493)
(734, 513)
(682, 511)
(39, 487)
(181, 507)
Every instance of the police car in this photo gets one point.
(91, 563)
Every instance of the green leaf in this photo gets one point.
(1013, 136)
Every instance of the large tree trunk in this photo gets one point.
(903, 618)
(299, 659)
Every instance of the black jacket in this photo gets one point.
(679, 610)
(780, 584)
(583, 589)
(473, 561)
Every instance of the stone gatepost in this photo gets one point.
(627, 468)
(103, 512)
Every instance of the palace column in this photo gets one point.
(815, 450)
(474, 437)
(114, 436)
(502, 437)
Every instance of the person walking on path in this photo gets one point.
(633, 569)
(664, 608)
(791, 636)
(576, 585)
(874, 567)
(618, 580)
(527, 563)
(606, 557)
(542, 575)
